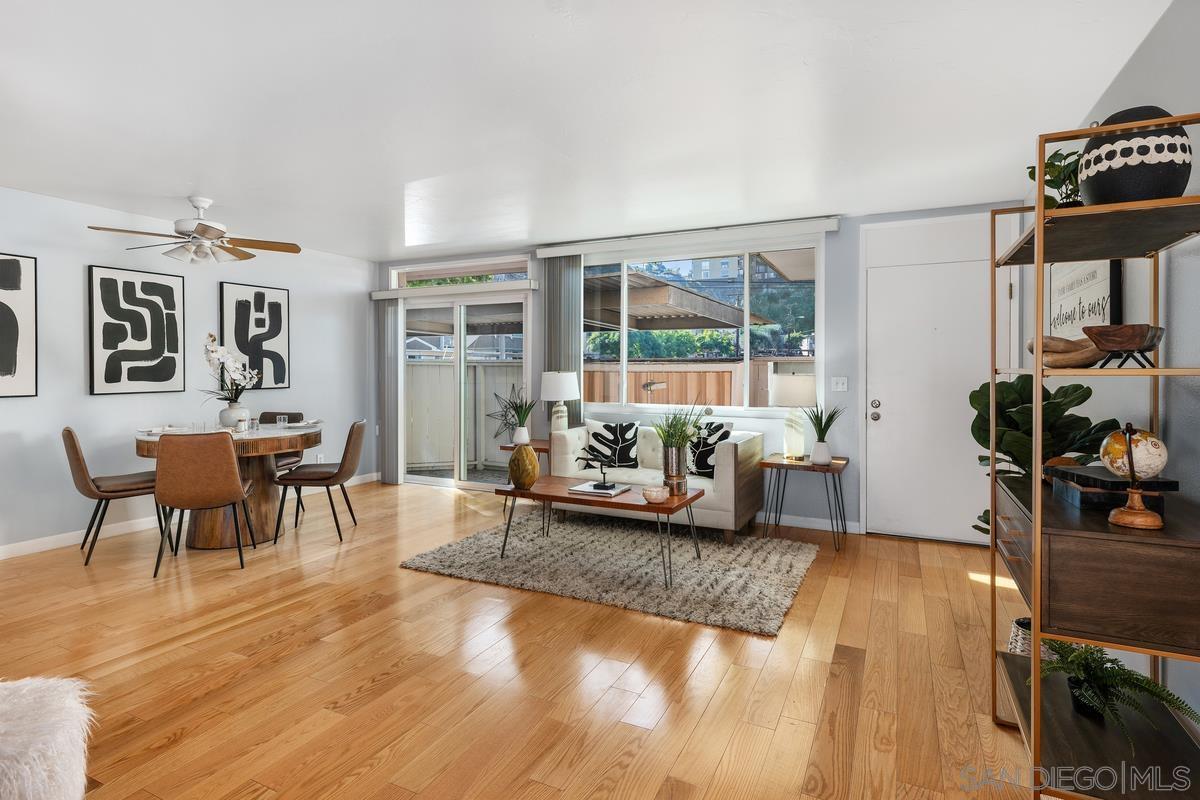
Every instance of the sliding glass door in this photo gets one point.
(458, 357)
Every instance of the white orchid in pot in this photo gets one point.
(234, 377)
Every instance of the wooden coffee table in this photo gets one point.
(551, 490)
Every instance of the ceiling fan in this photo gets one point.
(198, 240)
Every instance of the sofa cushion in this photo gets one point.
(650, 450)
(614, 441)
(702, 450)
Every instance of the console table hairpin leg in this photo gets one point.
(835, 501)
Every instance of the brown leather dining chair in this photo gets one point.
(327, 475)
(199, 471)
(286, 461)
(102, 488)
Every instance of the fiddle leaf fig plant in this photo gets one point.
(1064, 434)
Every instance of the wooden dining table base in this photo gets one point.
(213, 529)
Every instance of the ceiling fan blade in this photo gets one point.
(208, 231)
(236, 252)
(136, 233)
(263, 244)
(171, 243)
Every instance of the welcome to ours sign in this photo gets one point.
(1084, 294)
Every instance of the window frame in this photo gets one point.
(743, 249)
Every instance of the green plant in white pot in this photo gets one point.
(821, 421)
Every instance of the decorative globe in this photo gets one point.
(1149, 454)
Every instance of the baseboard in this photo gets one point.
(812, 523)
(57, 540)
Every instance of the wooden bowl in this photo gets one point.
(1124, 338)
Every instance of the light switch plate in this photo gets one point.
(841, 384)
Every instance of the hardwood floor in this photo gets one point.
(324, 670)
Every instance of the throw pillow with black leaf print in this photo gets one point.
(614, 443)
(702, 450)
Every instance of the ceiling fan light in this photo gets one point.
(181, 253)
(220, 256)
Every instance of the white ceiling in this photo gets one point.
(398, 130)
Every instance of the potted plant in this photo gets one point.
(1062, 176)
(676, 429)
(821, 421)
(513, 414)
(1100, 684)
(234, 377)
(1065, 435)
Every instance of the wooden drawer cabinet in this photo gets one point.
(1128, 587)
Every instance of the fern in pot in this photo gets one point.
(676, 429)
(822, 420)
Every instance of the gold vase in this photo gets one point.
(523, 467)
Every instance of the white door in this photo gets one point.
(927, 338)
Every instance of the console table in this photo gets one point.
(778, 466)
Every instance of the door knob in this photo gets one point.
(875, 404)
(875, 416)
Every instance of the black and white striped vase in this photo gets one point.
(1149, 165)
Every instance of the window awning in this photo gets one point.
(654, 305)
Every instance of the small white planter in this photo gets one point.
(521, 435)
(232, 414)
(820, 454)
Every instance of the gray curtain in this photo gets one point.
(387, 348)
(562, 297)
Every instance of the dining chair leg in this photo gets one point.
(336, 521)
(249, 525)
(237, 533)
(96, 533)
(299, 501)
(164, 536)
(178, 532)
(279, 516)
(87, 534)
(168, 516)
(299, 505)
(346, 497)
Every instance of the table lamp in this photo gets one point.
(556, 388)
(794, 392)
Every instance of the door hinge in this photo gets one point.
(1010, 292)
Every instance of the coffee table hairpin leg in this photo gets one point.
(665, 554)
(508, 526)
(695, 539)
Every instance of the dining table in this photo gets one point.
(213, 528)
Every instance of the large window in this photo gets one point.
(690, 335)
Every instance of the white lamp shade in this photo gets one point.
(557, 386)
(794, 391)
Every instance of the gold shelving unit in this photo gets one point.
(1054, 737)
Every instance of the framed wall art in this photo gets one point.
(137, 331)
(18, 326)
(255, 324)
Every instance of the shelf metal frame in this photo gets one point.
(1042, 218)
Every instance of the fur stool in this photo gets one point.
(44, 725)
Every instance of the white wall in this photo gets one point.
(331, 355)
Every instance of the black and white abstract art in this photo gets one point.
(137, 332)
(18, 326)
(255, 326)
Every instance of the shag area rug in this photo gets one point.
(748, 585)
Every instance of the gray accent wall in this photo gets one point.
(332, 353)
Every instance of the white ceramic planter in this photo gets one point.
(232, 414)
(521, 435)
(820, 454)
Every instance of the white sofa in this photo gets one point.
(731, 498)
